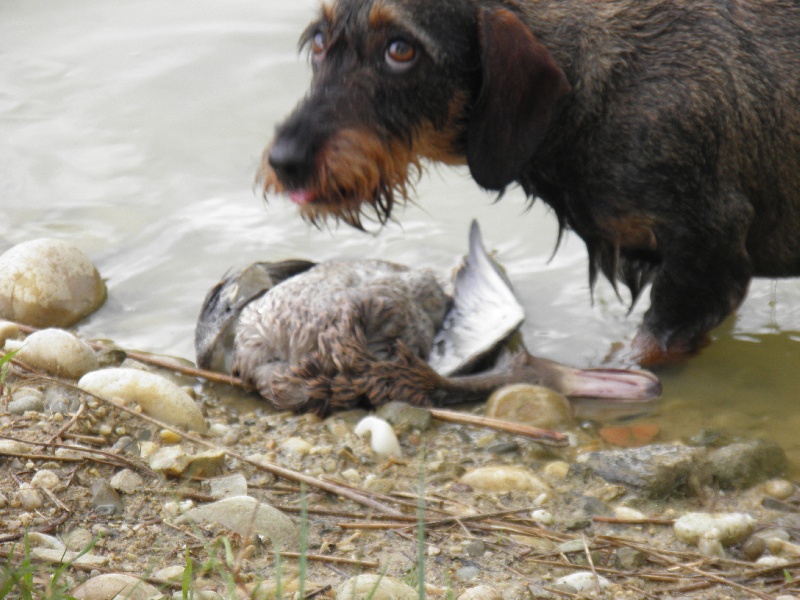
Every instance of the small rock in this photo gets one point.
(156, 395)
(745, 463)
(533, 405)
(45, 478)
(229, 486)
(557, 470)
(375, 587)
(48, 283)
(105, 499)
(173, 574)
(295, 445)
(626, 513)
(56, 352)
(653, 471)
(467, 573)
(246, 516)
(731, 528)
(127, 481)
(709, 545)
(628, 559)
(167, 436)
(542, 517)
(475, 549)
(583, 581)
(383, 439)
(41, 540)
(174, 460)
(218, 430)
(60, 400)
(779, 488)
(14, 447)
(64, 556)
(404, 417)
(78, 539)
(754, 547)
(115, 585)
(29, 498)
(772, 561)
(8, 331)
(504, 479)
(24, 400)
(481, 592)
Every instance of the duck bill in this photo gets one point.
(617, 384)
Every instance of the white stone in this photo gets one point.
(481, 592)
(504, 478)
(42, 540)
(730, 528)
(295, 445)
(584, 581)
(229, 486)
(48, 283)
(383, 438)
(44, 478)
(127, 481)
(156, 395)
(55, 351)
(64, 556)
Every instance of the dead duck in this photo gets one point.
(334, 335)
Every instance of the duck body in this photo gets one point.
(341, 334)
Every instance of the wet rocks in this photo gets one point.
(156, 395)
(742, 464)
(533, 405)
(375, 587)
(653, 471)
(246, 516)
(48, 283)
(56, 352)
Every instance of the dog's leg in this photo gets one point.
(703, 278)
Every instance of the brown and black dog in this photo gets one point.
(666, 133)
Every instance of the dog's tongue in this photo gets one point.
(301, 197)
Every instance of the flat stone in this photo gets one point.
(229, 486)
(368, 586)
(113, 586)
(105, 499)
(728, 528)
(127, 481)
(653, 471)
(56, 352)
(504, 479)
(246, 516)
(529, 404)
(64, 556)
(744, 464)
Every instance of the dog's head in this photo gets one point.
(398, 81)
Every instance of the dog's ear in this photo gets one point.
(521, 87)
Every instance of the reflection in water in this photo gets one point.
(134, 129)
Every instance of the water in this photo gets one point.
(134, 129)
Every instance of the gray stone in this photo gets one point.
(743, 464)
(653, 471)
(105, 499)
(25, 400)
(229, 486)
(403, 416)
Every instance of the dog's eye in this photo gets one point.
(318, 44)
(400, 55)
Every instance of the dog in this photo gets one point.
(666, 133)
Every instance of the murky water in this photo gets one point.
(134, 129)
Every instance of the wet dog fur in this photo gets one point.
(666, 133)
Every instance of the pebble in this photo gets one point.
(105, 499)
(175, 460)
(626, 513)
(8, 330)
(779, 488)
(78, 539)
(556, 470)
(64, 556)
(583, 581)
(45, 478)
(48, 283)
(24, 400)
(29, 498)
(772, 561)
(56, 352)
(529, 404)
(709, 544)
(542, 517)
(14, 447)
(730, 528)
(628, 559)
(481, 592)
(368, 586)
(228, 486)
(467, 573)
(295, 445)
(169, 437)
(156, 395)
(245, 516)
(404, 417)
(42, 540)
(504, 479)
(127, 481)
(218, 430)
(173, 574)
(743, 464)
(383, 439)
(475, 549)
(115, 585)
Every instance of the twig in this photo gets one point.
(331, 559)
(542, 436)
(68, 424)
(644, 521)
(46, 528)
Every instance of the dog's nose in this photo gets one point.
(292, 162)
